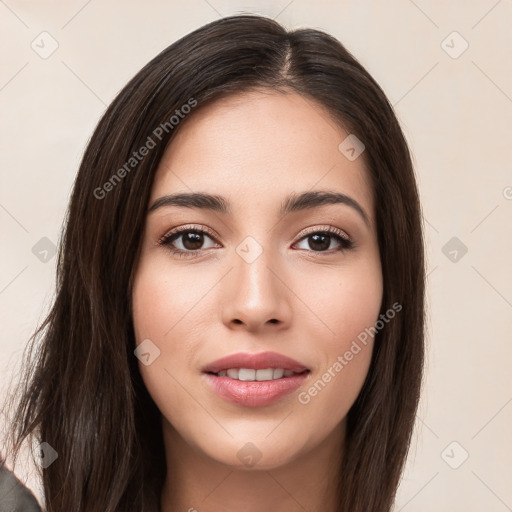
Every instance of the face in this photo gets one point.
(250, 279)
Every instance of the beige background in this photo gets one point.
(456, 111)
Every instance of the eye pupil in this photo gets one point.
(192, 240)
(320, 246)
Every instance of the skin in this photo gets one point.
(255, 149)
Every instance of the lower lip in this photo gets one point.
(254, 393)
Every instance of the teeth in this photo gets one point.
(267, 374)
(233, 373)
(278, 373)
(248, 374)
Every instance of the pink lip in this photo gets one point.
(254, 393)
(256, 362)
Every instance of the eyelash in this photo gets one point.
(166, 241)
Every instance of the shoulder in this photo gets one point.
(14, 496)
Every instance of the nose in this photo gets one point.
(256, 296)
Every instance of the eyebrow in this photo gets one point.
(293, 203)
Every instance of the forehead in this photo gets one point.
(259, 146)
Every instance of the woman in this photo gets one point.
(239, 316)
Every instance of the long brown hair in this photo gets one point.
(81, 391)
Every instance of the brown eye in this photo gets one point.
(192, 240)
(186, 241)
(321, 241)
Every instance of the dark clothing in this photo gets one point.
(14, 496)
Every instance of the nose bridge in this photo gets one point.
(252, 269)
(258, 295)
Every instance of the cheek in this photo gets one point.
(345, 303)
(163, 301)
(166, 309)
(348, 308)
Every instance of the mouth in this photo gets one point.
(255, 380)
(252, 375)
(246, 363)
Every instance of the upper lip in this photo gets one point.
(258, 361)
